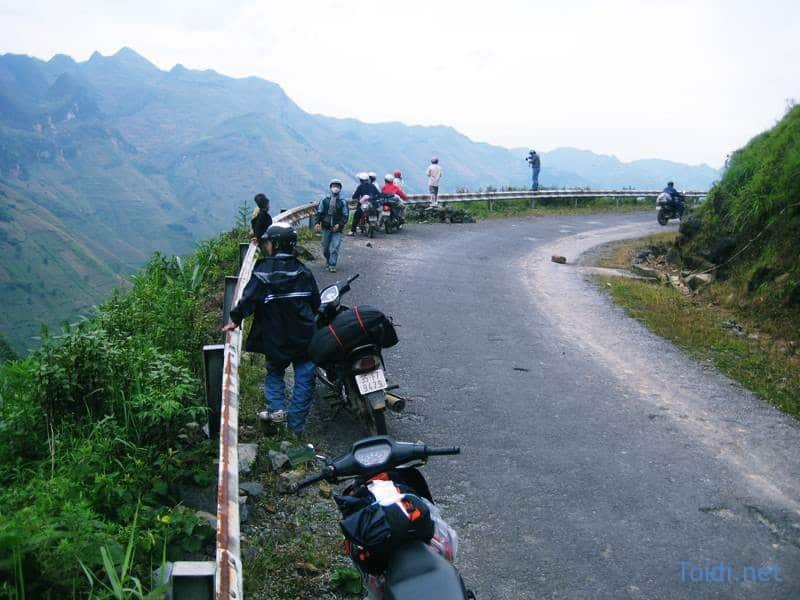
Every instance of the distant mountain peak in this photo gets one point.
(124, 56)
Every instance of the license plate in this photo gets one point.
(373, 219)
(371, 382)
(386, 213)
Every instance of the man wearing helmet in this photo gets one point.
(434, 174)
(332, 214)
(365, 188)
(398, 179)
(675, 198)
(283, 295)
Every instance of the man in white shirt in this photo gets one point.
(434, 175)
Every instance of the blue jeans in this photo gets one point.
(330, 245)
(534, 179)
(302, 394)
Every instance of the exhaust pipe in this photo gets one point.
(395, 403)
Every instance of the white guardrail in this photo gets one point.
(228, 570)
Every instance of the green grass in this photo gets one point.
(697, 326)
(549, 207)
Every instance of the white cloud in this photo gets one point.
(688, 81)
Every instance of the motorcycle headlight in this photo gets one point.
(329, 294)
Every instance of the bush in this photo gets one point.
(91, 432)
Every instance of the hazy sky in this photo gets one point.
(683, 80)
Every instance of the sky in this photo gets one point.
(688, 81)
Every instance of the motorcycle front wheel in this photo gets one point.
(661, 217)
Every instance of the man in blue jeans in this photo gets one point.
(535, 163)
(283, 294)
(332, 215)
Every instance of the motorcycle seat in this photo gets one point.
(417, 572)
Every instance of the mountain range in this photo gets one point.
(105, 161)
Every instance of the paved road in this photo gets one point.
(596, 457)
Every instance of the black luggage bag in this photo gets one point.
(358, 326)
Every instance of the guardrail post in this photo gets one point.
(213, 358)
(188, 580)
(311, 222)
(533, 202)
(490, 204)
(243, 246)
(227, 298)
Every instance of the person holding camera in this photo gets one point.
(535, 163)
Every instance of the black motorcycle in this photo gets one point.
(368, 222)
(667, 208)
(403, 553)
(392, 213)
(356, 378)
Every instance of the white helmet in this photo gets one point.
(362, 176)
(388, 178)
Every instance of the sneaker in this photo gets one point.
(332, 269)
(278, 416)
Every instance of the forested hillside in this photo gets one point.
(105, 161)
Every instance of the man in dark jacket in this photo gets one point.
(365, 188)
(332, 214)
(676, 197)
(535, 162)
(283, 294)
(261, 218)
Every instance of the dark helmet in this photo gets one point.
(670, 184)
(261, 200)
(435, 160)
(282, 235)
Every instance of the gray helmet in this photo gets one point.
(282, 235)
(334, 182)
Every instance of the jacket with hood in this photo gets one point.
(283, 294)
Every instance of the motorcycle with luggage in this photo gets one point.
(368, 222)
(347, 349)
(667, 209)
(392, 214)
(394, 532)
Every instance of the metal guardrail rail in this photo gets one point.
(228, 572)
(228, 575)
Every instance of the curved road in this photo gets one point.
(596, 457)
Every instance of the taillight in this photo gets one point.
(387, 207)
(368, 363)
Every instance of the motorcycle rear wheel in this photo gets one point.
(377, 423)
(388, 227)
(371, 232)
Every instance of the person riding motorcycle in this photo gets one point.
(676, 198)
(398, 179)
(390, 187)
(365, 188)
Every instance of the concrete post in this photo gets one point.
(213, 358)
(227, 298)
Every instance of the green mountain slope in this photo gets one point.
(749, 228)
(116, 158)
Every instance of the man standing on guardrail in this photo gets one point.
(332, 214)
(535, 163)
(434, 174)
(283, 294)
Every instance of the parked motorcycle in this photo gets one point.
(394, 533)
(355, 376)
(666, 209)
(392, 216)
(369, 216)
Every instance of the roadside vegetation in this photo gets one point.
(100, 428)
(747, 236)
(479, 209)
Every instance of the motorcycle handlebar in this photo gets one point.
(442, 451)
(326, 472)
